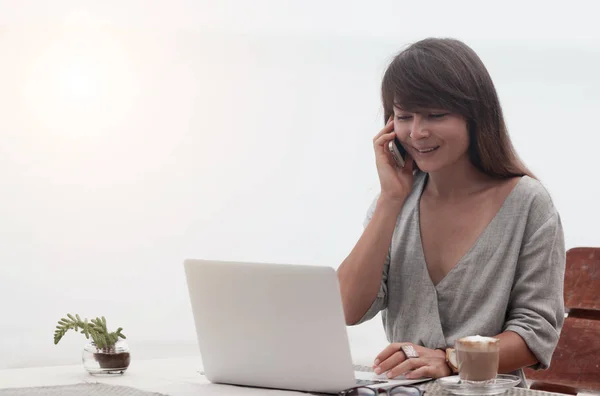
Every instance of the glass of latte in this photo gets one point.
(477, 359)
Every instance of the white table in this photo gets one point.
(174, 376)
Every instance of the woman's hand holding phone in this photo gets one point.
(396, 183)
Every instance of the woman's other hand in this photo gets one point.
(393, 362)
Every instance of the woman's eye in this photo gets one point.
(402, 117)
(438, 115)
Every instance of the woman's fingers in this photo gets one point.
(407, 365)
(390, 362)
(436, 368)
(431, 367)
(389, 351)
(389, 127)
(381, 142)
(423, 371)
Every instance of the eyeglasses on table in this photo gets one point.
(398, 390)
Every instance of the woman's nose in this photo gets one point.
(418, 128)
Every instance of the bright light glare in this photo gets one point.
(80, 82)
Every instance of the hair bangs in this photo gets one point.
(415, 80)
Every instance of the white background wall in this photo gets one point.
(135, 134)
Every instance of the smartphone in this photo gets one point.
(398, 152)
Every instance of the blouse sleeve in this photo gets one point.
(536, 305)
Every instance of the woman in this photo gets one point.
(462, 240)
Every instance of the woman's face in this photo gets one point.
(435, 138)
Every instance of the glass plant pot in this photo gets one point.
(106, 362)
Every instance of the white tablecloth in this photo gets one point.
(174, 376)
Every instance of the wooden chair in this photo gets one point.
(575, 365)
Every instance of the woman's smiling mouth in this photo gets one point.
(426, 150)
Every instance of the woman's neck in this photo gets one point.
(457, 180)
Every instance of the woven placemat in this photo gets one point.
(95, 389)
(434, 389)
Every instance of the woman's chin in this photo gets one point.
(428, 166)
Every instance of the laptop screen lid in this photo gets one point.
(270, 325)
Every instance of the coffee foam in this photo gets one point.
(477, 343)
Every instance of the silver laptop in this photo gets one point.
(273, 326)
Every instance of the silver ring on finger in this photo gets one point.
(409, 351)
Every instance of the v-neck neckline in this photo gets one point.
(473, 246)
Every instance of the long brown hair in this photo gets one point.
(447, 74)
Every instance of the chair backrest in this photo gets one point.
(582, 279)
(576, 360)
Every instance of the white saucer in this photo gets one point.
(501, 384)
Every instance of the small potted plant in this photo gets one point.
(107, 353)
